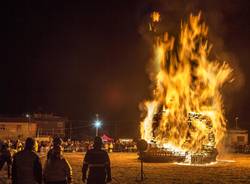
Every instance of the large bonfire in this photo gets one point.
(185, 113)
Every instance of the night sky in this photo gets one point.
(77, 59)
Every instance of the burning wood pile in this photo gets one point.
(207, 154)
(184, 121)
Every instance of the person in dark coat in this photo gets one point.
(57, 169)
(57, 141)
(5, 157)
(98, 163)
(27, 167)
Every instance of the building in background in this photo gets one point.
(32, 125)
(237, 137)
(17, 128)
(49, 124)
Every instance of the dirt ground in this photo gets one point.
(126, 168)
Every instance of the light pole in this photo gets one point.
(28, 116)
(236, 122)
(97, 124)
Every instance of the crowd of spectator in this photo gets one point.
(24, 164)
(112, 146)
(72, 146)
(241, 148)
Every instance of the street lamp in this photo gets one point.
(97, 124)
(28, 116)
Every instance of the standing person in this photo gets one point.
(5, 157)
(98, 163)
(57, 170)
(27, 167)
(57, 141)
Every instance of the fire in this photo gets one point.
(155, 16)
(186, 112)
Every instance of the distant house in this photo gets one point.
(17, 128)
(35, 125)
(237, 137)
(49, 124)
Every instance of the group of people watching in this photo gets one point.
(241, 148)
(75, 146)
(26, 166)
(111, 146)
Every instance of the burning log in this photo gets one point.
(159, 155)
(206, 154)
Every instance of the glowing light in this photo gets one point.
(227, 161)
(173, 148)
(155, 16)
(98, 124)
(200, 165)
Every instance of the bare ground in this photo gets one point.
(126, 168)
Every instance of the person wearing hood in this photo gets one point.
(27, 167)
(57, 169)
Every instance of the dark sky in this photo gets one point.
(81, 58)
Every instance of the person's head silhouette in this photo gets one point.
(98, 143)
(57, 141)
(29, 144)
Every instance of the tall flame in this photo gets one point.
(186, 82)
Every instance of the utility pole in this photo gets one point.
(70, 129)
(236, 122)
(28, 116)
(97, 124)
(115, 129)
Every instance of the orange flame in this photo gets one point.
(155, 16)
(187, 84)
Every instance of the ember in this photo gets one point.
(184, 121)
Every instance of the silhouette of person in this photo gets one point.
(98, 163)
(57, 170)
(57, 141)
(5, 157)
(27, 167)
